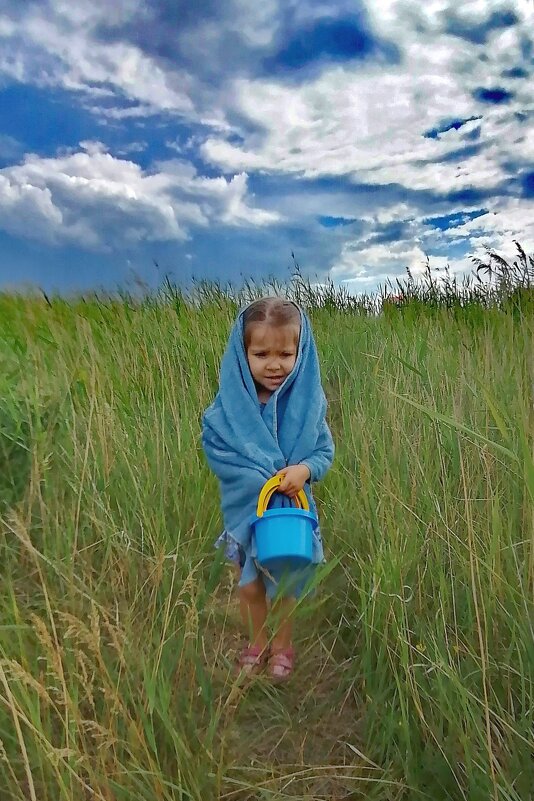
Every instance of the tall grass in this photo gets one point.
(118, 624)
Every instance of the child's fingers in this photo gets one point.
(287, 490)
(290, 490)
(288, 485)
(285, 480)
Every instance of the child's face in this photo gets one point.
(272, 353)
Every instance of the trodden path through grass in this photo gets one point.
(299, 740)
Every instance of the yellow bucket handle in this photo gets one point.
(268, 490)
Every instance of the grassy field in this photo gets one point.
(118, 626)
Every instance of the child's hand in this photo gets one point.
(295, 476)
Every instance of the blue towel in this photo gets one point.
(246, 444)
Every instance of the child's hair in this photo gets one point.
(273, 311)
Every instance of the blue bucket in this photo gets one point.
(284, 539)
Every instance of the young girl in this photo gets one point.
(267, 418)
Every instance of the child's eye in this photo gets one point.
(286, 355)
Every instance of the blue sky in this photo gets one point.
(210, 139)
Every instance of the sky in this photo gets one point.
(209, 140)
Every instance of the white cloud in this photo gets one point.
(59, 49)
(362, 269)
(97, 201)
(367, 121)
(394, 17)
(60, 43)
(254, 23)
(132, 147)
(27, 209)
(506, 220)
(370, 126)
(362, 264)
(85, 61)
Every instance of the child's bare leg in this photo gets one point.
(253, 607)
(282, 612)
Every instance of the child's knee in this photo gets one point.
(253, 592)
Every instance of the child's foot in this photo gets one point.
(281, 664)
(253, 659)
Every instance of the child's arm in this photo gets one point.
(225, 461)
(317, 464)
(320, 461)
(220, 458)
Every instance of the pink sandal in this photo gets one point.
(281, 664)
(253, 659)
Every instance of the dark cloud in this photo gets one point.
(459, 154)
(203, 38)
(160, 27)
(232, 254)
(334, 40)
(480, 32)
(16, 10)
(527, 47)
(527, 184)
(472, 136)
(468, 197)
(496, 96)
(174, 31)
(515, 72)
(383, 234)
(447, 125)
